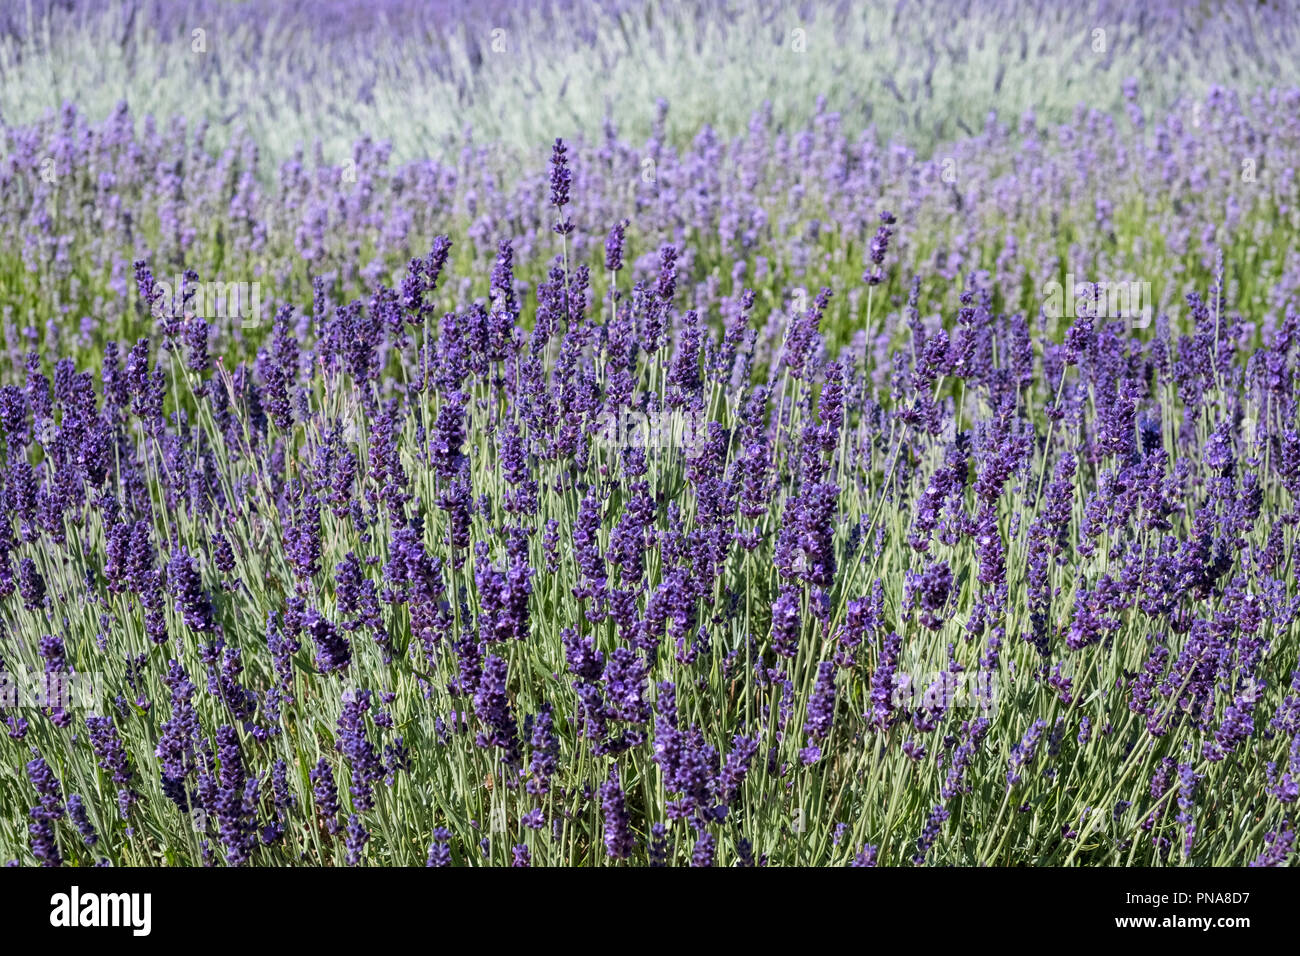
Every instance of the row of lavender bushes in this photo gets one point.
(419, 72)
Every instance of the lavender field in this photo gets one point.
(649, 434)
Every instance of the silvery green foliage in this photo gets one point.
(419, 75)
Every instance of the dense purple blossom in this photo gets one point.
(358, 750)
(618, 836)
(492, 707)
(440, 849)
(325, 794)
